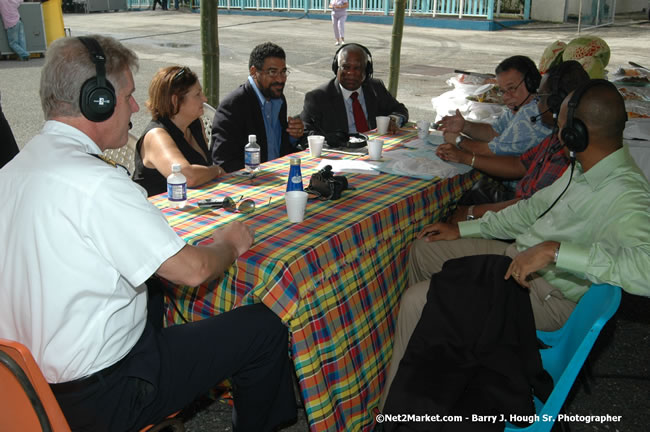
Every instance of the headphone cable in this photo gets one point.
(573, 164)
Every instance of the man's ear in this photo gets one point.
(252, 70)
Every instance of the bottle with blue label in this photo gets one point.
(295, 177)
(176, 187)
(252, 155)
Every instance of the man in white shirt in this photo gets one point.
(81, 239)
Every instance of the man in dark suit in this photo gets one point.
(330, 109)
(257, 107)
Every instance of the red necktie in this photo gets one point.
(359, 117)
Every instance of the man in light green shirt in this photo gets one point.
(598, 231)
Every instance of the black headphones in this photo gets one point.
(335, 60)
(97, 98)
(575, 134)
(555, 99)
(532, 78)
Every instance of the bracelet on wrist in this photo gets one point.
(470, 213)
(473, 159)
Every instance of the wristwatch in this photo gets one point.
(459, 139)
(470, 213)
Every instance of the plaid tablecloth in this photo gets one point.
(335, 279)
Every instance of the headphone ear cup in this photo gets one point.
(97, 103)
(369, 69)
(532, 80)
(576, 137)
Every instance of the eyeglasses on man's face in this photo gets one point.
(274, 73)
(510, 90)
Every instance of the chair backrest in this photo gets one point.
(124, 155)
(570, 347)
(206, 118)
(26, 400)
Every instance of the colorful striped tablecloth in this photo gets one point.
(335, 279)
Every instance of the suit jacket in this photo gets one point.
(473, 351)
(238, 116)
(324, 110)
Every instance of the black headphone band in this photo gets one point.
(98, 58)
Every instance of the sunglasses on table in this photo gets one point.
(246, 206)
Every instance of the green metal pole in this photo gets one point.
(210, 50)
(396, 46)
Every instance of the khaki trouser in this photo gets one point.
(550, 308)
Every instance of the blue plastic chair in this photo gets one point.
(570, 347)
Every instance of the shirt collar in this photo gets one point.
(75, 136)
(604, 168)
(346, 93)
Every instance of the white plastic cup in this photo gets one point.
(382, 124)
(315, 145)
(375, 147)
(296, 202)
(423, 128)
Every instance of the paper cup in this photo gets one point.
(382, 124)
(374, 149)
(315, 145)
(423, 129)
(296, 202)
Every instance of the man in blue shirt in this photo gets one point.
(257, 107)
(518, 129)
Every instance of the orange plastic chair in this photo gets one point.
(27, 402)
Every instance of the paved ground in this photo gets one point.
(620, 359)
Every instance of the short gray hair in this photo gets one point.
(68, 66)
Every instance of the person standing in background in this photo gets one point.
(163, 4)
(14, 27)
(339, 15)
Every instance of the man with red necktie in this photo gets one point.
(350, 102)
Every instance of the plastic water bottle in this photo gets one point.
(176, 187)
(252, 155)
(295, 177)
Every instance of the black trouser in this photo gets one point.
(168, 368)
(163, 4)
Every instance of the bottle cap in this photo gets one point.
(252, 138)
(176, 167)
(293, 160)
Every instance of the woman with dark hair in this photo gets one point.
(175, 133)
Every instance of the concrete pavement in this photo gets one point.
(429, 55)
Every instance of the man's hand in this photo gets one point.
(439, 231)
(237, 235)
(295, 127)
(454, 124)
(531, 260)
(451, 153)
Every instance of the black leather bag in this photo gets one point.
(327, 186)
